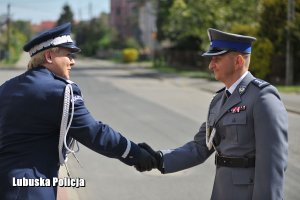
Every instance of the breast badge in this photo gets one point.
(237, 109)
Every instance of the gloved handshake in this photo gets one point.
(145, 162)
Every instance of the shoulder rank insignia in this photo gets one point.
(260, 83)
(237, 109)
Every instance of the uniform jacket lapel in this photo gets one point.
(235, 97)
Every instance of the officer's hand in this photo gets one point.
(146, 161)
(156, 154)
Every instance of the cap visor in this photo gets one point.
(71, 46)
(214, 53)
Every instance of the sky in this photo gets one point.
(41, 10)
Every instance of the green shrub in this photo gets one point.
(131, 43)
(130, 55)
(261, 57)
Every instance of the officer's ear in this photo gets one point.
(240, 60)
(48, 57)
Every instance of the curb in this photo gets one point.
(289, 109)
(292, 110)
(212, 87)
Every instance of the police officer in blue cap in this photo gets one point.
(43, 114)
(246, 128)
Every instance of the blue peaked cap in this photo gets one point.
(223, 42)
(59, 36)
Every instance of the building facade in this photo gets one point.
(122, 17)
(137, 19)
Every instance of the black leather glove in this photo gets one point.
(156, 154)
(146, 161)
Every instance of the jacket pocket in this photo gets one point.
(243, 176)
(243, 183)
(234, 124)
(235, 119)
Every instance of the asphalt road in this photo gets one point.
(144, 110)
(165, 113)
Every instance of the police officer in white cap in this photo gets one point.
(246, 128)
(42, 113)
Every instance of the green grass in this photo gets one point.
(186, 73)
(289, 89)
(162, 67)
(197, 74)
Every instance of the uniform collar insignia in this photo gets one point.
(242, 89)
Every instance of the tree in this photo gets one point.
(294, 37)
(186, 20)
(238, 13)
(273, 22)
(19, 34)
(94, 35)
(66, 16)
(162, 18)
(273, 25)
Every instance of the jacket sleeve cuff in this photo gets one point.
(131, 154)
(127, 150)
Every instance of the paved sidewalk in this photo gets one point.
(23, 61)
(291, 100)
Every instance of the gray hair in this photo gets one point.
(39, 58)
(247, 59)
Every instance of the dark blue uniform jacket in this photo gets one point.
(30, 115)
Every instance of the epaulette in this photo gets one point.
(260, 83)
(220, 90)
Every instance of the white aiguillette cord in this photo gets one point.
(210, 134)
(64, 128)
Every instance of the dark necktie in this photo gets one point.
(227, 94)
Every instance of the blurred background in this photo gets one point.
(170, 34)
(142, 72)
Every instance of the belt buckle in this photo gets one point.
(218, 160)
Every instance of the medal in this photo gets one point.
(237, 109)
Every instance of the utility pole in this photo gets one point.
(289, 70)
(79, 14)
(8, 32)
(90, 10)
